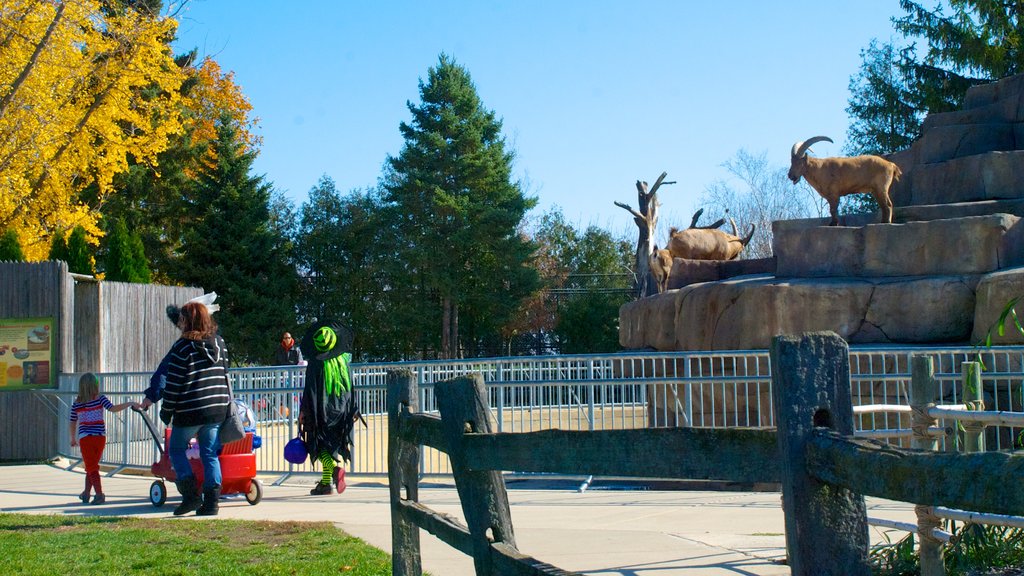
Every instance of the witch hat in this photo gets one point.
(325, 340)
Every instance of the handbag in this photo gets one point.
(231, 429)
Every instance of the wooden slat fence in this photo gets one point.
(100, 327)
(824, 470)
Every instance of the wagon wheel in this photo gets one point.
(157, 493)
(255, 493)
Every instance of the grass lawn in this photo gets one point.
(34, 544)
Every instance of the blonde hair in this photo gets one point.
(88, 387)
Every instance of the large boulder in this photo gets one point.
(970, 245)
(995, 291)
(685, 271)
(988, 176)
(746, 313)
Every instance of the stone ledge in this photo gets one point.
(982, 95)
(970, 245)
(685, 272)
(904, 214)
(745, 313)
(989, 176)
(944, 143)
(993, 293)
(1004, 110)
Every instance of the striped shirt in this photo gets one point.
(89, 416)
(197, 388)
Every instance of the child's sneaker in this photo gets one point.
(320, 489)
(99, 499)
(84, 497)
(339, 478)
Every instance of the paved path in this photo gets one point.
(598, 532)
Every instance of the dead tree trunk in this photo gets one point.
(646, 219)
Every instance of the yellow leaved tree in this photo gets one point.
(83, 91)
(214, 95)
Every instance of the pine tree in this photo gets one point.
(10, 248)
(74, 250)
(234, 249)
(884, 117)
(125, 258)
(339, 251)
(58, 248)
(457, 212)
(977, 42)
(80, 260)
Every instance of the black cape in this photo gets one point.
(328, 420)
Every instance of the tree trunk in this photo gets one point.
(446, 323)
(456, 348)
(646, 219)
(6, 101)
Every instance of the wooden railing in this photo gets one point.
(824, 470)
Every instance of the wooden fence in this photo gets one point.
(824, 470)
(99, 327)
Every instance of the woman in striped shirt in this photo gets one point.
(89, 432)
(195, 403)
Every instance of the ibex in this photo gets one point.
(661, 266)
(834, 178)
(707, 244)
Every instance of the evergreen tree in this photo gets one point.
(457, 213)
(589, 319)
(587, 278)
(10, 247)
(125, 259)
(338, 252)
(74, 250)
(140, 267)
(884, 117)
(977, 42)
(58, 248)
(79, 255)
(234, 249)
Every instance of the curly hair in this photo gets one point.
(195, 322)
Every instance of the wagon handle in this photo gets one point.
(151, 426)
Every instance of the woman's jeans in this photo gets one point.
(206, 436)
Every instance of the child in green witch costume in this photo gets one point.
(328, 410)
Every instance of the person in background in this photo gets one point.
(328, 410)
(287, 353)
(195, 403)
(89, 432)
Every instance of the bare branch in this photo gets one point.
(629, 209)
(658, 183)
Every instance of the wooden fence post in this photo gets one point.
(464, 408)
(974, 398)
(826, 525)
(924, 391)
(403, 461)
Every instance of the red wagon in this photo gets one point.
(237, 467)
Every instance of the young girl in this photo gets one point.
(328, 407)
(89, 431)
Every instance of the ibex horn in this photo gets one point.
(746, 240)
(800, 148)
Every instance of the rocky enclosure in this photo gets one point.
(940, 273)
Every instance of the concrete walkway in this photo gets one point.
(598, 532)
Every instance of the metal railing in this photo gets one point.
(580, 392)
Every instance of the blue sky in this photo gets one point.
(594, 95)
